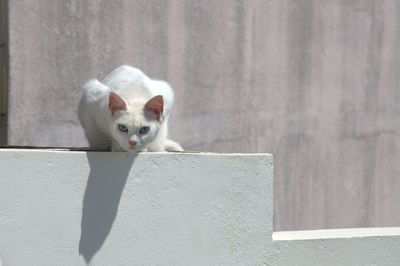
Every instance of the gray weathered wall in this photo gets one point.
(314, 82)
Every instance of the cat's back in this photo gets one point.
(93, 90)
(159, 87)
(94, 100)
(131, 82)
(124, 75)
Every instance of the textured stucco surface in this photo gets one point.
(124, 208)
(66, 208)
(314, 82)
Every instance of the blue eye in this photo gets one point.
(122, 128)
(144, 130)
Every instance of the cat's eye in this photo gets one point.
(144, 130)
(122, 128)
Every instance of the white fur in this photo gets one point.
(135, 88)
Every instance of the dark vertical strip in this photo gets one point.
(3, 70)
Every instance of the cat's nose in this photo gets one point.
(132, 143)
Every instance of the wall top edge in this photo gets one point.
(85, 150)
(336, 233)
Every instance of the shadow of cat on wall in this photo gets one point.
(106, 182)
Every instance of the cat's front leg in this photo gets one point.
(115, 147)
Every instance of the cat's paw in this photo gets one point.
(171, 145)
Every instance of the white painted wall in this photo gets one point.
(121, 208)
(67, 208)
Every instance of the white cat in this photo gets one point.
(128, 111)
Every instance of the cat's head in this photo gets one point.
(135, 124)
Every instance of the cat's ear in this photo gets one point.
(116, 103)
(155, 105)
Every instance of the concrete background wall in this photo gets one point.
(314, 82)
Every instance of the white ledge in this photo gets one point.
(73, 207)
(336, 233)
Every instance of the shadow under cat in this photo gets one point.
(106, 182)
